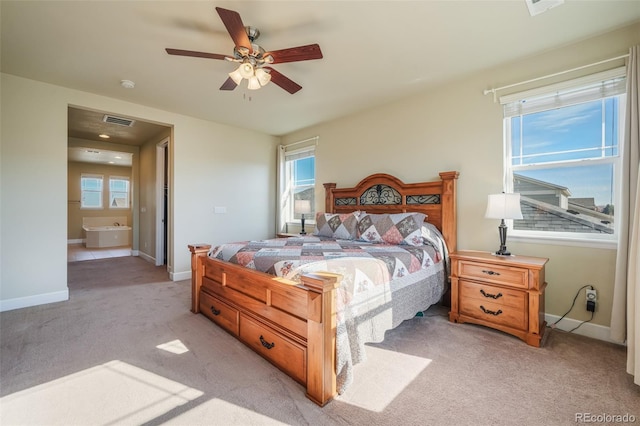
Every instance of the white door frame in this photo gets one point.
(160, 218)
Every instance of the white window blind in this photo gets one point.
(584, 89)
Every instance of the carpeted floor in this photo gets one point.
(126, 350)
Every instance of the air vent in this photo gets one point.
(536, 7)
(118, 120)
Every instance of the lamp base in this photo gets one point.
(503, 252)
(302, 231)
(502, 230)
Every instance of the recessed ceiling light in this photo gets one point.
(103, 136)
(117, 157)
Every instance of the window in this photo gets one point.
(118, 192)
(91, 191)
(562, 149)
(297, 182)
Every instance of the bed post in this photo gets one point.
(198, 251)
(321, 336)
(328, 197)
(449, 209)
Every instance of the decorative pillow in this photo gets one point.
(339, 226)
(399, 228)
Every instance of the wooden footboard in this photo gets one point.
(292, 325)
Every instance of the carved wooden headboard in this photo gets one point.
(383, 193)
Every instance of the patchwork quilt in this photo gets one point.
(283, 255)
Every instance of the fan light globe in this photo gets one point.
(236, 76)
(246, 70)
(263, 76)
(253, 84)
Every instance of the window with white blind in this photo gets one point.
(297, 182)
(91, 191)
(562, 147)
(118, 192)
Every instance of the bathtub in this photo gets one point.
(106, 236)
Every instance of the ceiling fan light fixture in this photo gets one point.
(253, 84)
(263, 76)
(246, 70)
(236, 76)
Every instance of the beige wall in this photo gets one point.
(456, 127)
(212, 165)
(75, 213)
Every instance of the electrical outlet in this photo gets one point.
(592, 295)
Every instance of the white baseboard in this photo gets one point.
(594, 331)
(146, 257)
(179, 276)
(78, 241)
(39, 299)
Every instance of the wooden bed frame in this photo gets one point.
(293, 325)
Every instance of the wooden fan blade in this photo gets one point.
(293, 54)
(229, 84)
(235, 27)
(181, 52)
(284, 82)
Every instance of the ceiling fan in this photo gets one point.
(253, 59)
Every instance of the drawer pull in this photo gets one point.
(487, 311)
(493, 296)
(266, 344)
(484, 271)
(215, 311)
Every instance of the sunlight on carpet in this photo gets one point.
(220, 412)
(115, 392)
(175, 347)
(375, 388)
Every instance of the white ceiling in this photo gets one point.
(374, 51)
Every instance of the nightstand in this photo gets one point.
(286, 235)
(501, 292)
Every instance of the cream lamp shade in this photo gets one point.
(503, 206)
(302, 206)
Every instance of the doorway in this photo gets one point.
(162, 201)
(92, 131)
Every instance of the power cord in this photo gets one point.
(576, 327)
(572, 305)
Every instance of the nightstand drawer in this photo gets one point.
(492, 273)
(494, 313)
(491, 294)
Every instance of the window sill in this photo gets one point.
(564, 241)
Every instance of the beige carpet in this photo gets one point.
(126, 350)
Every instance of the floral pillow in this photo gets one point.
(399, 228)
(339, 226)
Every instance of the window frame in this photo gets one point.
(128, 193)
(100, 192)
(287, 218)
(553, 237)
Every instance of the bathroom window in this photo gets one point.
(118, 192)
(91, 191)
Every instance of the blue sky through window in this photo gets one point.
(578, 132)
(305, 171)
